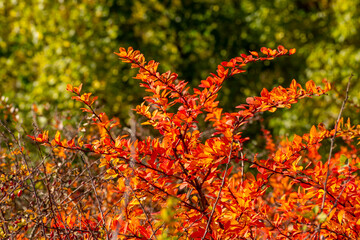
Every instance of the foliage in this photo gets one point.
(48, 44)
(195, 176)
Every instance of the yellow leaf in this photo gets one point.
(80, 142)
(341, 215)
(57, 137)
(110, 173)
(103, 163)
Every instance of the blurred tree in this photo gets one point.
(45, 44)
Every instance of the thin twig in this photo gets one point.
(132, 162)
(50, 195)
(5, 226)
(144, 211)
(332, 147)
(342, 190)
(153, 234)
(242, 168)
(52, 201)
(82, 156)
(221, 187)
(23, 157)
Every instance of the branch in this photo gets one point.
(332, 147)
(25, 161)
(82, 156)
(221, 187)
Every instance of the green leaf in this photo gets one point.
(321, 217)
(316, 209)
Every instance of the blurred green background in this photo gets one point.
(46, 44)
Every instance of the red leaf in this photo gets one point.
(281, 48)
(264, 93)
(197, 234)
(264, 50)
(71, 143)
(32, 137)
(205, 84)
(250, 100)
(144, 232)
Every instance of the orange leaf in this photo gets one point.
(69, 88)
(254, 53)
(77, 90)
(292, 51)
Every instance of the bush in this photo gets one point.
(190, 172)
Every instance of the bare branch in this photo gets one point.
(332, 147)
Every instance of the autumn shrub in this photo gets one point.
(43, 188)
(186, 172)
